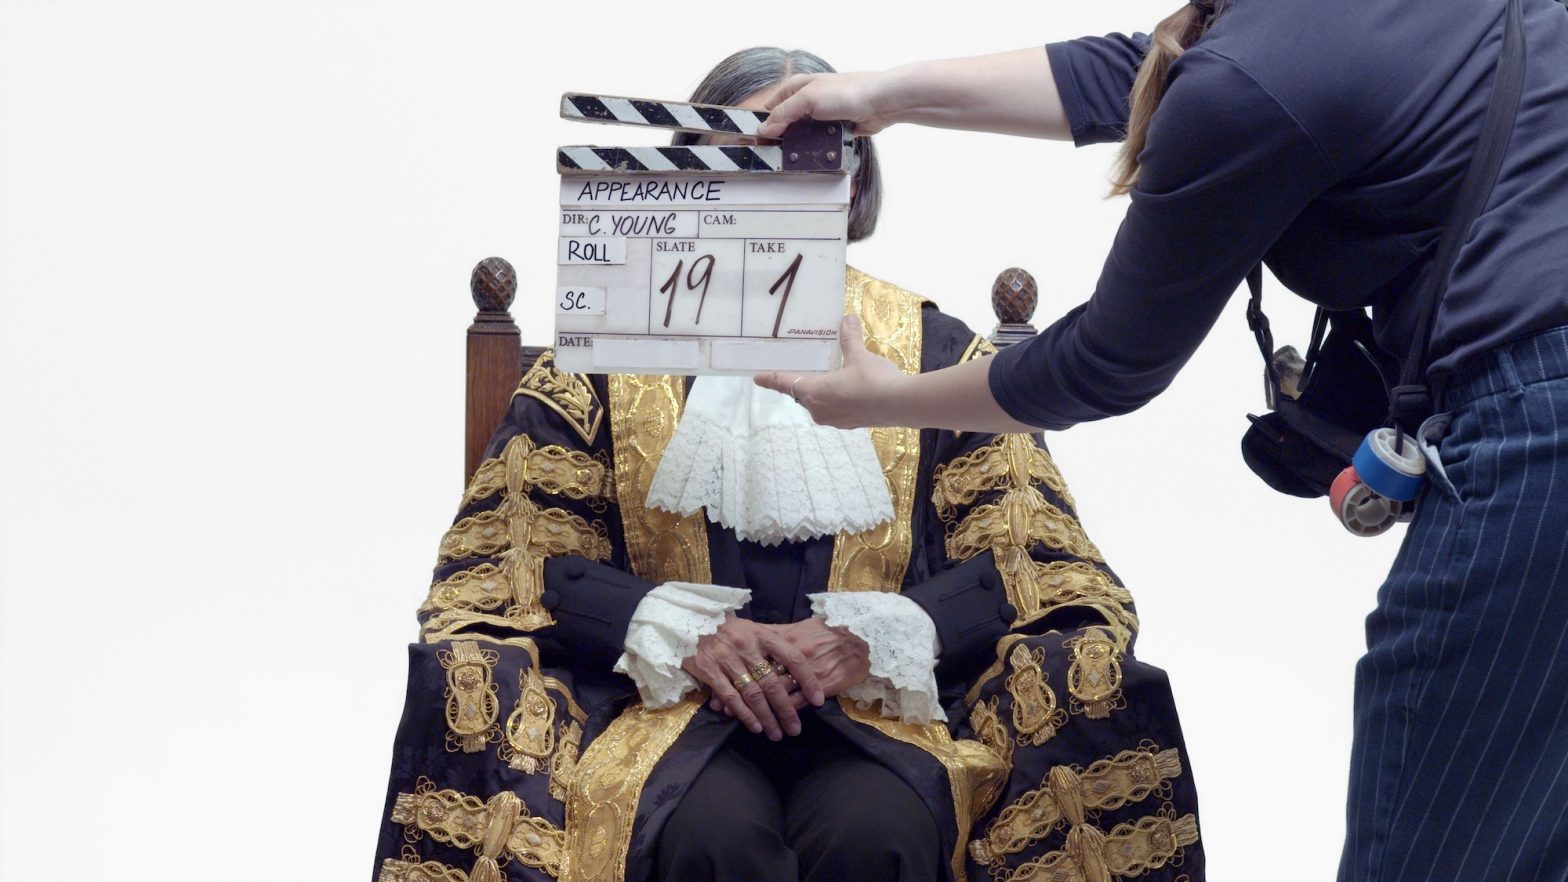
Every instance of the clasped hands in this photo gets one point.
(818, 662)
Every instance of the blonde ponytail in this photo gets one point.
(1170, 39)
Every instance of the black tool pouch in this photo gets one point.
(1308, 438)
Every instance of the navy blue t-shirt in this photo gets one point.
(1327, 138)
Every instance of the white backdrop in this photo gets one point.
(235, 239)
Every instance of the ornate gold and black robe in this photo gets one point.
(521, 756)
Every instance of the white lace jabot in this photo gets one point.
(759, 464)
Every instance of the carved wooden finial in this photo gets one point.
(493, 285)
(1013, 299)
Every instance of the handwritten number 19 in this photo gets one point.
(671, 283)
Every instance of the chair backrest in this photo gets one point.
(497, 356)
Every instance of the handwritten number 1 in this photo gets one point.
(788, 281)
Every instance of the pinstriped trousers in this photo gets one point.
(1459, 763)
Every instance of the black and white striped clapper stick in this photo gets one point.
(703, 119)
(807, 146)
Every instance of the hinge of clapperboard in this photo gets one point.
(806, 146)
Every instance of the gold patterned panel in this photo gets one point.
(1129, 850)
(662, 546)
(876, 560)
(975, 773)
(411, 869)
(570, 395)
(602, 802)
(1095, 677)
(1036, 715)
(1008, 462)
(496, 828)
(553, 469)
(1066, 794)
(471, 702)
(530, 728)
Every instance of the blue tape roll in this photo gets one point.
(1381, 471)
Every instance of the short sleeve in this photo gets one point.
(1094, 76)
(1226, 169)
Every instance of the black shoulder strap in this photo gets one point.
(1411, 400)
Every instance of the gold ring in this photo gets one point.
(743, 681)
(763, 670)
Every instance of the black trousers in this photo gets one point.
(813, 807)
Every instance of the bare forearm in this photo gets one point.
(1011, 93)
(957, 397)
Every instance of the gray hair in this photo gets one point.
(750, 71)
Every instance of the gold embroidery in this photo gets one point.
(989, 728)
(1008, 462)
(484, 587)
(530, 728)
(877, 559)
(1044, 588)
(570, 395)
(662, 546)
(496, 828)
(979, 347)
(563, 763)
(1015, 521)
(995, 670)
(1129, 850)
(1035, 714)
(1065, 795)
(521, 523)
(1095, 677)
(411, 869)
(602, 802)
(975, 773)
(471, 703)
(553, 469)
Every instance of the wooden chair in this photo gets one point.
(497, 356)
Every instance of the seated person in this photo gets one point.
(678, 631)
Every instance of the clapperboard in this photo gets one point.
(723, 258)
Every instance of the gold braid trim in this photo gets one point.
(563, 763)
(570, 395)
(975, 772)
(989, 728)
(411, 869)
(996, 668)
(499, 828)
(979, 347)
(1066, 794)
(1008, 462)
(553, 469)
(877, 559)
(471, 702)
(662, 546)
(530, 728)
(1095, 677)
(1017, 520)
(1035, 713)
(1129, 850)
(602, 803)
(483, 588)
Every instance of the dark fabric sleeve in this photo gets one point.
(1226, 170)
(536, 547)
(1094, 76)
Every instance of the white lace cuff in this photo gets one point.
(902, 640)
(664, 631)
